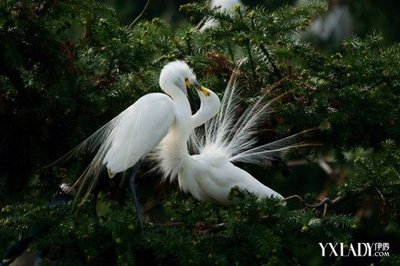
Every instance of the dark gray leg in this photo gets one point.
(133, 192)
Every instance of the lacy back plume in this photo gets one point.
(234, 137)
(99, 143)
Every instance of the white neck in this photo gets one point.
(173, 149)
(182, 126)
(208, 109)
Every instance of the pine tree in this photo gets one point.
(67, 67)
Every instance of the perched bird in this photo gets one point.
(129, 137)
(225, 6)
(137, 130)
(163, 123)
(210, 174)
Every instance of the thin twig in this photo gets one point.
(325, 166)
(380, 193)
(278, 82)
(294, 197)
(325, 210)
(321, 203)
(211, 228)
(140, 15)
(326, 202)
(276, 69)
(169, 224)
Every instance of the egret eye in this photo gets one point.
(187, 82)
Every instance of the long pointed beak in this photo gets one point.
(204, 90)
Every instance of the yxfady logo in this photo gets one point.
(354, 250)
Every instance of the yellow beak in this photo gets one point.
(198, 87)
(204, 90)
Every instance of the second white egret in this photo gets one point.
(211, 174)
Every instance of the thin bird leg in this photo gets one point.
(133, 192)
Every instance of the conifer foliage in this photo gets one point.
(68, 67)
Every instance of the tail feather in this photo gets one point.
(259, 154)
(99, 143)
(234, 136)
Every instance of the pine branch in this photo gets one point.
(276, 69)
(279, 82)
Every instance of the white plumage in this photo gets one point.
(173, 149)
(225, 6)
(166, 122)
(213, 177)
(137, 130)
(227, 138)
(235, 136)
(142, 126)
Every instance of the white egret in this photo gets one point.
(224, 6)
(211, 174)
(166, 122)
(129, 137)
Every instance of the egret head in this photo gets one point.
(177, 77)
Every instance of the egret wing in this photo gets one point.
(125, 139)
(142, 126)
